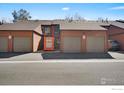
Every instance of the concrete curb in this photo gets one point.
(78, 60)
(67, 61)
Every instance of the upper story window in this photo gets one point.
(47, 30)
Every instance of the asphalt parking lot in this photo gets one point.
(108, 73)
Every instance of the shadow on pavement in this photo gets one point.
(76, 56)
(8, 55)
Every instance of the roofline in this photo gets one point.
(37, 33)
(22, 30)
(116, 26)
(16, 30)
(82, 30)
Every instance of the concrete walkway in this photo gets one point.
(117, 55)
(20, 57)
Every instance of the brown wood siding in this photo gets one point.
(119, 38)
(113, 30)
(116, 33)
(4, 33)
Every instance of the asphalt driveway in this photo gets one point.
(108, 73)
(110, 55)
(76, 56)
(39, 56)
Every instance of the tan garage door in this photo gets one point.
(22, 44)
(95, 44)
(71, 44)
(3, 44)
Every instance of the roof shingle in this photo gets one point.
(64, 25)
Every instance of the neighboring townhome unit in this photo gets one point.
(116, 32)
(20, 37)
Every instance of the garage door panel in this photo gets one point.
(71, 44)
(95, 44)
(22, 44)
(3, 44)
